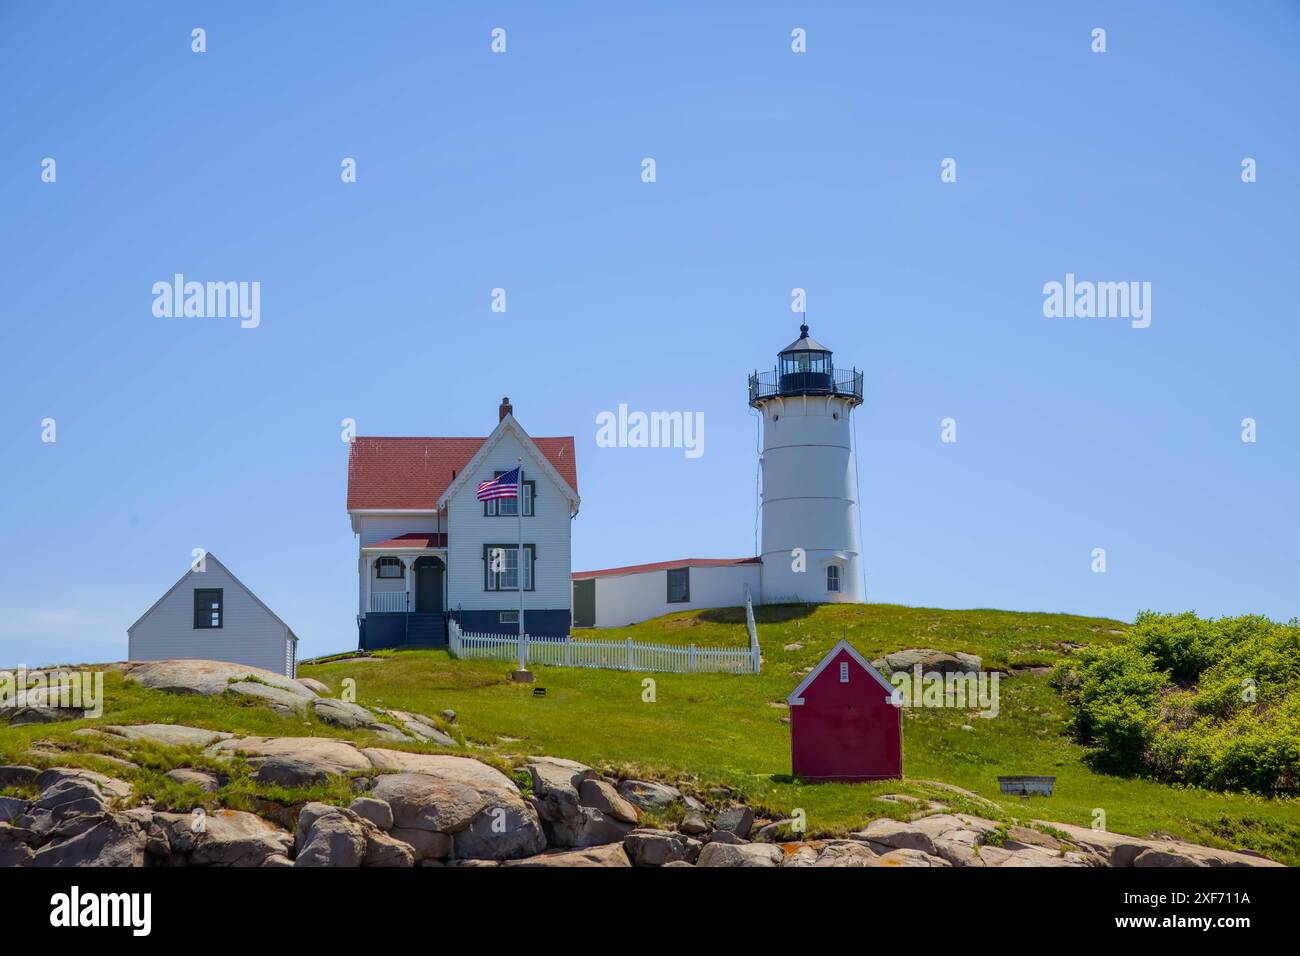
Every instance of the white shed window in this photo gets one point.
(833, 577)
(844, 672)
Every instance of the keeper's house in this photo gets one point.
(424, 538)
(210, 615)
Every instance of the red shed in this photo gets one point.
(843, 723)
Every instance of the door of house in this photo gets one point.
(584, 603)
(428, 585)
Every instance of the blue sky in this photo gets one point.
(522, 171)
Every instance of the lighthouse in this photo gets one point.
(810, 549)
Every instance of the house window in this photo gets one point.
(501, 567)
(207, 607)
(506, 507)
(844, 672)
(832, 577)
(508, 617)
(388, 568)
(679, 586)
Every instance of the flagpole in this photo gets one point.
(519, 564)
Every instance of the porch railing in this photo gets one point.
(388, 601)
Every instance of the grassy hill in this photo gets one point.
(728, 730)
(710, 730)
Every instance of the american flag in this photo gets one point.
(502, 486)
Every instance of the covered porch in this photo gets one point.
(404, 591)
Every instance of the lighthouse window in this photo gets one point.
(833, 577)
(679, 586)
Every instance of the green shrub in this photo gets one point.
(1211, 703)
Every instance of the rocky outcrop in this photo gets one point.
(930, 660)
(207, 678)
(439, 809)
(577, 809)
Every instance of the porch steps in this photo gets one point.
(426, 630)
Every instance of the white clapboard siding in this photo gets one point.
(384, 527)
(468, 530)
(250, 633)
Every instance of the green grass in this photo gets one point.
(707, 730)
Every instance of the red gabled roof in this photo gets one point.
(410, 474)
(665, 565)
(412, 539)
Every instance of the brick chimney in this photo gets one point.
(505, 409)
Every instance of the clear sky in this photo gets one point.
(774, 171)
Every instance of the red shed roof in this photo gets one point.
(410, 474)
(664, 566)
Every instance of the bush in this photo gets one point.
(1211, 703)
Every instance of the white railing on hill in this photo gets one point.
(628, 655)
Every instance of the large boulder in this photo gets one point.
(107, 839)
(737, 820)
(383, 849)
(350, 716)
(223, 838)
(930, 660)
(1118, 849)
(747, 854)
(421, 728)
(170, 735)
(420, 801)
(283, 702)
(207, 678)
(650, 847)
(599, 795)
(885, 834)
(17, 775)
(506, 830)
(188, 776)
(649, 796)
(611, 854)
(425, 844)
(378, 812)
(295, 761)
(911, 858)
(335, 837)
(557, 780)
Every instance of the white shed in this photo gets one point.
(210, 615)
(616, 597)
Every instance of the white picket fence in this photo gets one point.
(626, 655)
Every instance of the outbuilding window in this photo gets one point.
(388, 568)
(833, 577)
(844, 672)
(208, 607)
(679, 586)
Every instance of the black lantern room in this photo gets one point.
(804, 367)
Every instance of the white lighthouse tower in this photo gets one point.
(810, 548)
